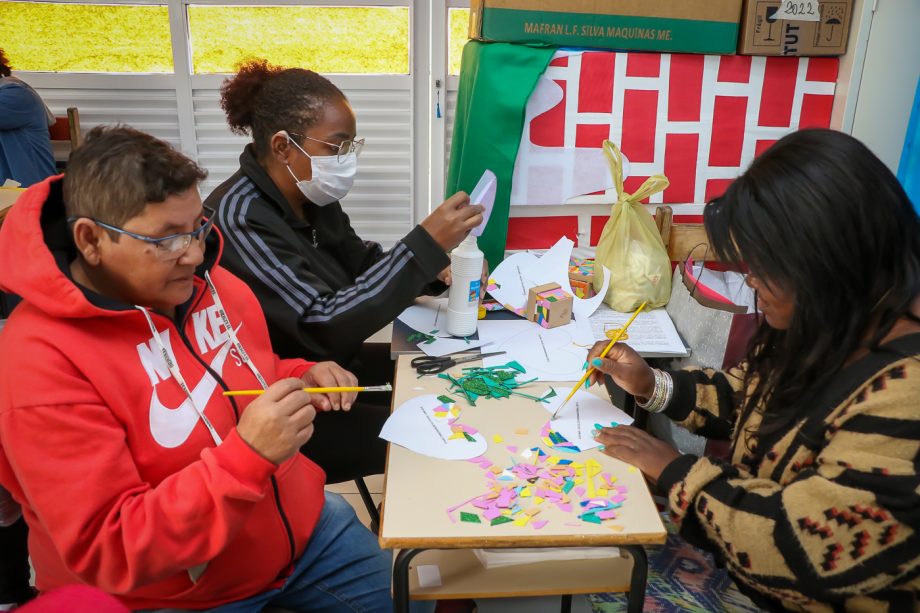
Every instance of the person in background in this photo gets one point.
(135, 474)
(818, 506)
(25, 143)
(323, 288)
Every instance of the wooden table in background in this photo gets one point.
(418, 490)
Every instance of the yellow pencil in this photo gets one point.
(320, 390)
(590, 370)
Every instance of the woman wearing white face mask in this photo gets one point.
(324, 290)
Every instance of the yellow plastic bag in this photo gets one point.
(631, 247)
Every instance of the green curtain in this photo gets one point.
(496, 80)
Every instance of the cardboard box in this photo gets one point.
(549, 305)
(761, 34)
(690, 26)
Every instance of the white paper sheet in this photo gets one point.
(652, 333)
(517, 274)
(557, 354)
(484, 195)
(429, 575)
(577, 419)
(415, 426)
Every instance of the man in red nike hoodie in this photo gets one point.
(135, 474)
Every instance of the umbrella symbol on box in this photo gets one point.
(833, 21)
(833, 17)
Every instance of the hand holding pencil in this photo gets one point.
(596, 359)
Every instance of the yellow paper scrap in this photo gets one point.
(552, 460)
(525, 493)
(577, 465)
(632, 469)
(593, 467)
(602, 492)
(506, 511)
(458, 434)
(522, 520)
(591, 492)
(455, 412)
(497, 439)
(537, 500)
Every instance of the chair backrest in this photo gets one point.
(65, 135)
(683, 239)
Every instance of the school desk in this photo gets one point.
(418, 489)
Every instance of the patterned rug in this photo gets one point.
(681, 579)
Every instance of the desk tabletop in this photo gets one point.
(419, 489)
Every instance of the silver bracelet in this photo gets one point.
(661, 394)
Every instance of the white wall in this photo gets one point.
(889, 79)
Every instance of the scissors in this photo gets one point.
(431, 365)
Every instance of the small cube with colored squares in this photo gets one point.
(549, 305)
(581, 276)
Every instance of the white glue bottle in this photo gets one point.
(465, 288)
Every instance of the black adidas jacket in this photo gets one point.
(324, 290)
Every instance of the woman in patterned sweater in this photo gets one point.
(818, 506)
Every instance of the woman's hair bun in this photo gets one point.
(238, 94)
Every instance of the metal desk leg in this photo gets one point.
(566, 603)
(369, 504)
(636, 600)
(401, 579)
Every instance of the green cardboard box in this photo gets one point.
(679, 26)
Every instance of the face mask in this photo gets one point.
(331, 179)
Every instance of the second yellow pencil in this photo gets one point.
(320, 390)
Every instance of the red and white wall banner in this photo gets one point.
(699, 119)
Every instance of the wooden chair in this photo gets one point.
(683, 239)
(65, 136)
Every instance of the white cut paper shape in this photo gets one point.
(548, 355)
(427, 315)
(554, 175)
(484, 195)
(415, 426)
(577, 419)
(522, 271)
(444, 346)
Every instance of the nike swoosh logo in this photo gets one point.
(172, 427)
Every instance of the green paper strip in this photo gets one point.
(471, 518)
(501, 519)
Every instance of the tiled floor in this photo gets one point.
(499, 605)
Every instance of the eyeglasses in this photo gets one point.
(167, 248)
(343, 149)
